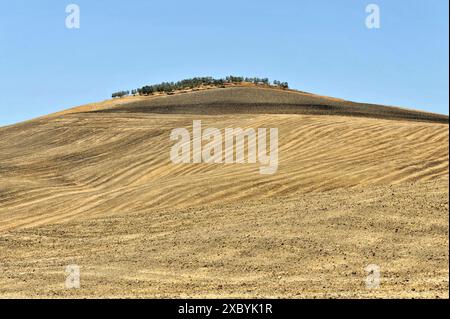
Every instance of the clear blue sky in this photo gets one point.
(321, 46)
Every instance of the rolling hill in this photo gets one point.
(357, 184)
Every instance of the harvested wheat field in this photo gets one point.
(356, 185)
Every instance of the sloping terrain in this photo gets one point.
(254, 100)
(357, 184)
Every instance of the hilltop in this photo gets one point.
(248, 98)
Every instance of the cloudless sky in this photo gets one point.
(320, 46)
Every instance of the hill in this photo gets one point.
(357, 184)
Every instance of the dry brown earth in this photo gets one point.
(357, 184)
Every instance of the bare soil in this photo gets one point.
(356, 185)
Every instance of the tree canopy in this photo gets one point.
(120, 94)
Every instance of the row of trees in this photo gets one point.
(283, 85)
(120, 94)
(169, 87)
